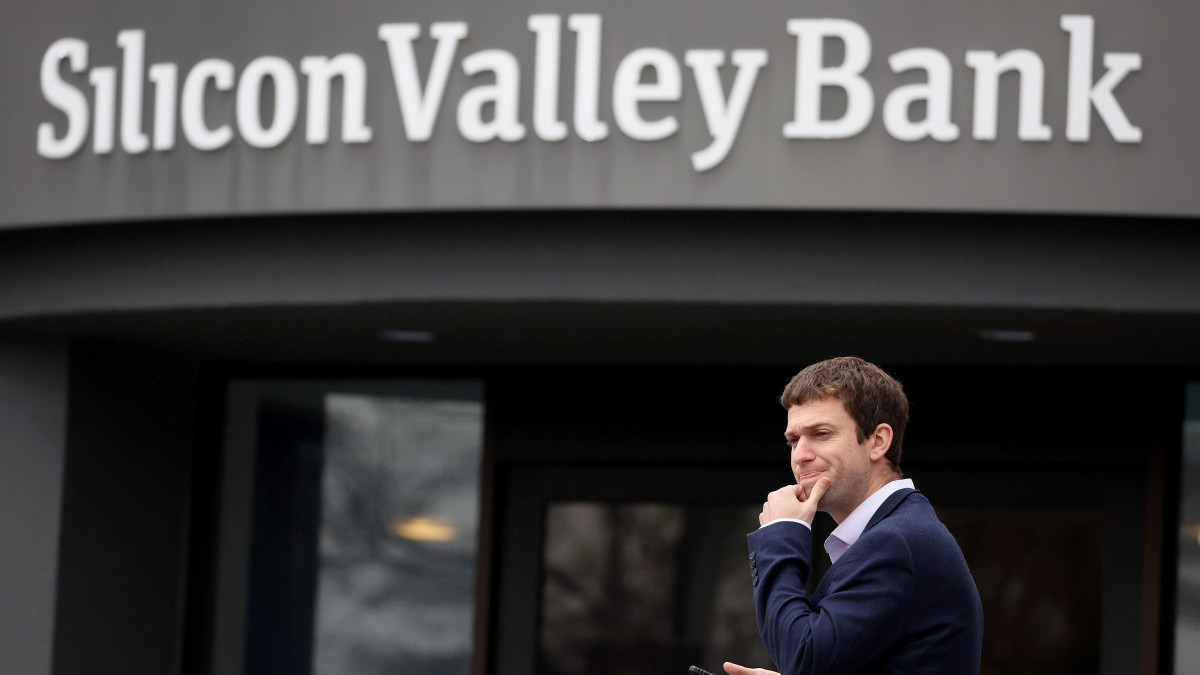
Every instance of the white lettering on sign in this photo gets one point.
(217, 105)
(723, 116)
(64, 97)
(546, 124)
(1082, 94)
(320, 72)
(249, 99)
(133, 44)
(935, 92)
(164, 76)
(418, 109)
(105, 82)
(587, 77)
(503, 95)
(629, 91)
(195, 87)
(988, 68)
(812, 77)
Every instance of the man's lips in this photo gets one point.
(807, 475)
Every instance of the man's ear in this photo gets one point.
(881, 441)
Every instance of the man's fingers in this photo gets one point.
(801, 493)
(818, 490)
(735, 669)
(786, 494)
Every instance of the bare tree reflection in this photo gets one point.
(645, 588)
(390, 600)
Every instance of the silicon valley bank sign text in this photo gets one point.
(109, 107)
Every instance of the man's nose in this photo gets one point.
(801, 452)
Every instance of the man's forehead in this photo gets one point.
(829, 409)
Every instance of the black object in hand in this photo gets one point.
(697, 670)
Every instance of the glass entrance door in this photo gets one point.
(349, 527)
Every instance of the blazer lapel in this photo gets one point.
(885, 509)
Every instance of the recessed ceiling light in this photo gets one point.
(1007, 335)
(407, 335)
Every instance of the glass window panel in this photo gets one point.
(348, 527)
(646, 588)
(1187, 621)
(399, 524)
(1040, 575)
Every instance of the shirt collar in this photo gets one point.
(850, 529)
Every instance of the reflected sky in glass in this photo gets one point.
(399, 526)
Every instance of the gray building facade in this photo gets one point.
(238, 239)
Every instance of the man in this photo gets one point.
(899, 597)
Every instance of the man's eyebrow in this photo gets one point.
(791, 432)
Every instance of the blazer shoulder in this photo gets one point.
(893, 502)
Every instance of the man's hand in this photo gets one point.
(793, 501)
(735, 669)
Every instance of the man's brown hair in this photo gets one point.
(871, 396)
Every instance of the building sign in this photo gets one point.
(490, 112)
(833, 105)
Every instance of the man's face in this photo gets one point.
(824, 442)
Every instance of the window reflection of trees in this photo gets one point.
(387, 603)
(608, 595)
(646, 588)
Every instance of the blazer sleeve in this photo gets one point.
(847, 628)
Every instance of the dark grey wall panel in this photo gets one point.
(33, 413)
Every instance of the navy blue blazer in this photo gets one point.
(900, 600)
